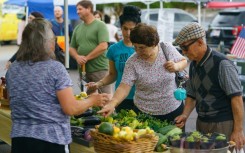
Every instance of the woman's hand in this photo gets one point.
(92, 87)
(99, 99)
(171, 66)
(180, 120)
(108, 109)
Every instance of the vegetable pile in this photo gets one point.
(143, 124)
(197, 140)
(124, 133)
(126, 125)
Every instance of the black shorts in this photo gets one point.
(32, 145)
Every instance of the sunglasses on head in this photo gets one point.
(186, 47)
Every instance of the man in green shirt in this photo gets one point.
(89, 44)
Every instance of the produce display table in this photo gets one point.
(5, 128)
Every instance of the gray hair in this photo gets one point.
(38, 42)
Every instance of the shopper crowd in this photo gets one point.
(40, 89)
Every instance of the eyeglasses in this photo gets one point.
(186, 47)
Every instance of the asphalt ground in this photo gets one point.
(7, 51)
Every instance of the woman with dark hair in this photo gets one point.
(32, 16)
(119, 53)
(41, 96)
(152, 75)
(112, 30)
(98, 15)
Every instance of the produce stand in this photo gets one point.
(5, 128)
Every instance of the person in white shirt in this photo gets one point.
(21, 27)
(112, 30)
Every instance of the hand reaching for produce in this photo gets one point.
(100, 99)
(238, 138)
(180, 120)
(107, 110)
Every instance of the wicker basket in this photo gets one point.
(107, 144)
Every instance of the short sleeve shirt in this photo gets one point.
(35, 109)
(213, 82)
(154, 84)
(119, 54)
(86, 38)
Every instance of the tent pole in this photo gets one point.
(66, 34)
(27, 11)
(204, 16)
(148, 12)
(199, 12)
(161, 4)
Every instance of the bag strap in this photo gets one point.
(164, 53)
(163, 48)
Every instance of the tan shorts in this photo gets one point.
(97, 76)
(225, 127)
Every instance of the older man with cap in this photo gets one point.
(213, 88)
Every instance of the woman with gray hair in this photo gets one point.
(41, 96)
(32, 16)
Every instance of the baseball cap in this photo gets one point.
(191, 31)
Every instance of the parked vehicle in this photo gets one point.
(9, 27)
(225, 28)
(181, 18)
(240, 63)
